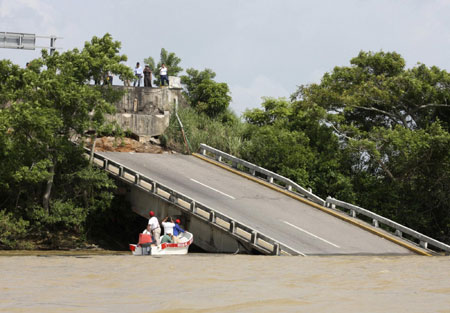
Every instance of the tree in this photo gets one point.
(204, 94)
(169, 59)
(290, 138)
(377, 90)
(392, 123)
(45, 108)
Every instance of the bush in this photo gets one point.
(12, 231)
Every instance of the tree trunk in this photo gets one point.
(48, 189)
(93, 141)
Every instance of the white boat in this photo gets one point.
(181, 247)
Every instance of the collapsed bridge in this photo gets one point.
(233, 206)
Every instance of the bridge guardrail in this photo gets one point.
(253, 169)
(257, 240)
(399, 230)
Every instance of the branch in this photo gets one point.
(383, 166)
(428, 105)
(392, 116)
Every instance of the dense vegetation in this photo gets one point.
(48, 190)
(373, 133)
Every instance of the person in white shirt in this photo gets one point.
(138, 75)
(154, 227)
(148, 230)
(168, 226)
(163, 74)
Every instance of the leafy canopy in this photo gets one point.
(44, 108)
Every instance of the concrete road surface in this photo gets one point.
(294, 223)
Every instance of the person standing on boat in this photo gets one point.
(154, 227)
(177, 230)
(168, 226)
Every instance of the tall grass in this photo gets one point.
(224, 133)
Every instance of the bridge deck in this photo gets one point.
(287, 220)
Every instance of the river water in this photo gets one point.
(117, 282)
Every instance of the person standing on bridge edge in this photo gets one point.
(163, 74)
(147, 76)
(154, 226)
(138, 75)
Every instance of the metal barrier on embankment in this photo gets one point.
(236, 229)
(382, 226)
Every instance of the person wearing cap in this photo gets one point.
(154, 227)
(177, 230)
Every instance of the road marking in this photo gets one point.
(307, 232)
(195, 181)
(299, 253)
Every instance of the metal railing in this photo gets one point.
(257, 171)
(397, 229)
(238, 230)
(354, 211)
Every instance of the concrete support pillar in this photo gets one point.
(276, 249)
(424, 244)
(137, 179)
(232, 227)
(254, 237)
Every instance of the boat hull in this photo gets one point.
(179, 248)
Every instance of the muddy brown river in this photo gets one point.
(117, 282)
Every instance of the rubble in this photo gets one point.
(125, 144)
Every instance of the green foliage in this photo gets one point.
(292, 139)
(224, 132)
(169, 59)
(12, 231)
(280, 150)
(204, 94)
(44, 177)
(392, 124)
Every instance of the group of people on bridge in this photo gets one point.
(172, 230)
(147, 74)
